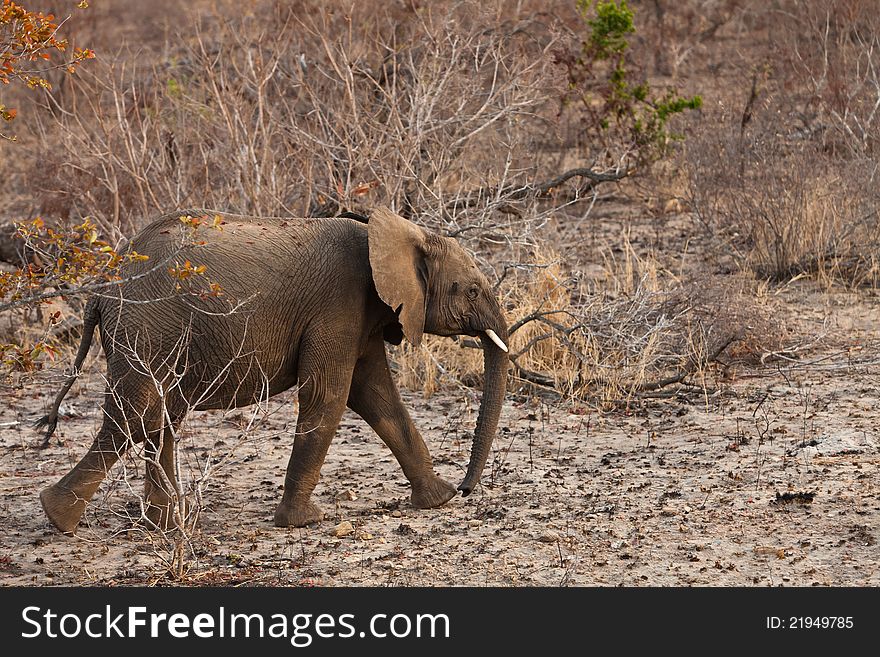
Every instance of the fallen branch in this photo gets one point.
(647, 387)
(537, 190)
(687, 371)
(535, 377)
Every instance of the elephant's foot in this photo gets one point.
(297, 515)
(63, 507)
(161, 514)
(431, 492)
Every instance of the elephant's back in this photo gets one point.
(243, 254)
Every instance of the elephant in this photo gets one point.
(309, 302)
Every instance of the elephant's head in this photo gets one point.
(435, 287)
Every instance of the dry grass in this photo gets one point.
(782, 211)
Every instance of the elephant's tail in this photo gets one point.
(91, 319)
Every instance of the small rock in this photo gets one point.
(767, 550)
(344, 528)
(396, 514)
(348, 495)
(475, 523)
(672, 206)
(549, 537)
(365, 536)
(799, 497)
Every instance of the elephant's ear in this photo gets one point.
(399, 272)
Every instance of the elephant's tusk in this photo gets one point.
(494, 338)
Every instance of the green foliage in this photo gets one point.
(609, 28)
(173, 88)
(618, 111)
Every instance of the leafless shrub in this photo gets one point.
(783, 209)
(306, 118)
(832, 49)
(782, 178)
(678, 31)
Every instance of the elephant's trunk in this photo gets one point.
(496, 362)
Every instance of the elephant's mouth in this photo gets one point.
(487, 334)
(471, 331)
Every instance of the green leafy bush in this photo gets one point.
(621, 112)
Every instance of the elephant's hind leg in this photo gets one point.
(161, 495)
(65, 501)
(375, 398)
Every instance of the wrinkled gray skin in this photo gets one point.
(315, 308)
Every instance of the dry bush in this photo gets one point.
(783, 173)
(302, 118)
(681, 33)
(831, 49)
(783, 209)
(808, 223)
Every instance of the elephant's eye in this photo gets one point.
(473, 291)
(454, 287)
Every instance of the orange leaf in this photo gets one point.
(364, 188)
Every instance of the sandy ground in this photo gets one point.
(773, 480)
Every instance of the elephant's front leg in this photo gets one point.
(324, 385)
(375, 398)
